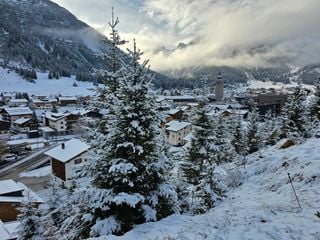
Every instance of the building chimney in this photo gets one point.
(63, 146)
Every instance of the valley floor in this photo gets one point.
(263, 207)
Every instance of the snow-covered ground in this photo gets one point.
(263, 207)
(12, 82)
(255, 84)
(40, 172)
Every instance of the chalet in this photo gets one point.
(11, 195)
(43, 104)
(18, 102)
(173, 114)
(25, 125)
(176, 131)
(47, 132)
(39, 96)
(67, 158)
(67, 100)
(71, 120)
(6, 96)
(56, 121)
(11, 114)
(87, 113)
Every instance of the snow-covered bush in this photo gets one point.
(234, 178)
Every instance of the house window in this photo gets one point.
(61, 122)
(77, 161)
(61, 127)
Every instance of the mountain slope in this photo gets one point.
(53, 39)
(263, 207)
(40, 34)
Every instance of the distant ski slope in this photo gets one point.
(11, 82)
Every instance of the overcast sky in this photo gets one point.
(221, 32)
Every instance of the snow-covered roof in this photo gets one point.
(236, 105)
(21, 120)
(18, 100)
(173, 111)
(14, 111)
(67, 98)
(182, 97)
(47, 129)
(8, 186)
(72, 148)
(37, 100)
(12, 228)
(55, 116)
(4, 233)
(80, 112)
(220, 106)
(8, 94)
(176, 125)
(188, 138)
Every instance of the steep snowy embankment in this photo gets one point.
(263, 207)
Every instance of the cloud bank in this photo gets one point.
(241, 33)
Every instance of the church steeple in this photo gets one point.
(219, 88)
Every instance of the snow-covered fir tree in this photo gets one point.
(201, 187)
(314, 105)
(29, 220)
(54, 211)
(129, 182)
(253, 139)
(237, 140)
(224, 151)
(200, 143)
(270, 129)
(294, 120)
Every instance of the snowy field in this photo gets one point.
(263, 207)
(256, 84)
(12, 82)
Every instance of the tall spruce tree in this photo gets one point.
(237, 140)
(54, 211)
(28, 218)
(224, 150)
(200, 143)
(294, 116)
(314, 106)
(271, 129)
(253, 137)
(129, 182)
(202, 188)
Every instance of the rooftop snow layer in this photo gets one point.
(176, 125)
(73, 148)
(7, 186)
(14, 111)
(23, 100)
(21, 120)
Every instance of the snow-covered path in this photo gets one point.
(263, 207)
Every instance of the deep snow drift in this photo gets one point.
(263, 207)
